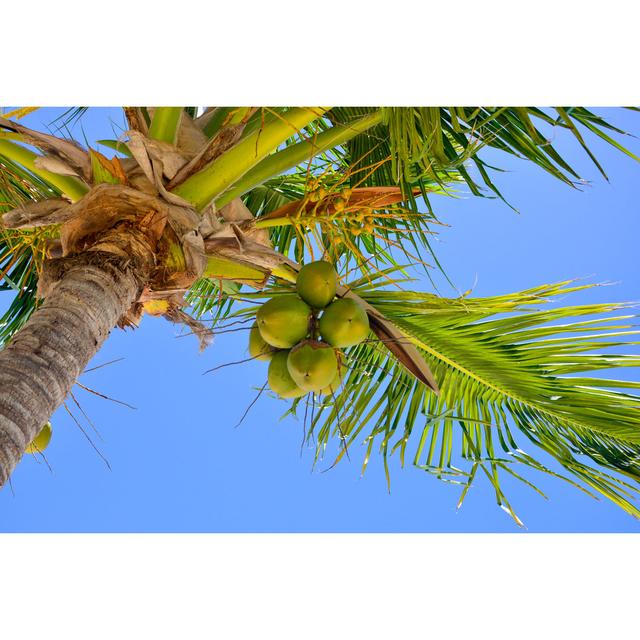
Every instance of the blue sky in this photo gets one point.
(178, 463)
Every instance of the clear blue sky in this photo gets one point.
(178, 463)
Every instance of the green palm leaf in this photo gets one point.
(420, 142)
(21, 252)
(499, 377)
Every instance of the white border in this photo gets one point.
(318, 586)
(335, 52)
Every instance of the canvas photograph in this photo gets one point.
(339, 319)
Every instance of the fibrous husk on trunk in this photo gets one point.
(160, 160)
(116, 220)
(157, 159)
(121, 220)
(132, 210)
(131, 216)
(191, 138)
(135, 119)
(242, 248)
(235, 213)
(214, 148)
(37, 214)
(105, 206)
(55, 165)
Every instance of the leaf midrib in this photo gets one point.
(509, 394)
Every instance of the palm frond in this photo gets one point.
(212, 298)
(419, 140)
(502, 371)
(424, 151)
(69, 118)
(21, 252)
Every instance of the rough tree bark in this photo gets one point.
(44, 359)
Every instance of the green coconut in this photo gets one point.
(279, 378)
(317, 283)
(334, 385)
(258, 348)
(283, 321)
(41, 441)
(312, 365)
(344, 323)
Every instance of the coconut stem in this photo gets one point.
(313, 325)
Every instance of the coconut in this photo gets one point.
(344, 323)
(41, 441)
(283, 321)
(316, 283)
(258, 348)
(312, 365)
(279, 378)
(332, 387)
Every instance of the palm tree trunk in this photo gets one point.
(42, 362)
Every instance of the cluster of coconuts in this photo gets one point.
(301, 334)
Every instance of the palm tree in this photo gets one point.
(206, 212)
